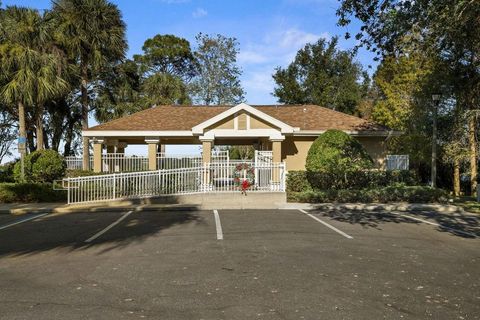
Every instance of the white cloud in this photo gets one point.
(250, 56)
(259, 81)
(277, 48)
(199, 13)
(294, 38)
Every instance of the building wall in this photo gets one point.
(256, 123)
(295, 150)
(227, 123)
(375, 147)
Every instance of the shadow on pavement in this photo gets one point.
(466, 226)
(70, 231)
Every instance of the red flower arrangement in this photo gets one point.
(245, 186)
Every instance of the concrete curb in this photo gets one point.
(372, 207)
(79, 209)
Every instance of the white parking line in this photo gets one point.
(22, 221)
(326, 224)
(109, 227)
(218, 225)
(435, 224)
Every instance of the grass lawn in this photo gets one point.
(468, 203)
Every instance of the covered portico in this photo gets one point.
(239, 125)
(287, 131)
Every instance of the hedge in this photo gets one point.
(6, 172)
(74, 173)
(298, 181)
(396, 193)
(30, 192)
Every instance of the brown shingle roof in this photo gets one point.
(305, 117)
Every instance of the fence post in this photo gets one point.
(159, 190)
(114, 185)
(68, 190)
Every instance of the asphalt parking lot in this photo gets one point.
(240, 264)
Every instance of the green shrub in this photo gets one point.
(81, 173)
(298, 181)
(394, 193)
(41, 166)
(337, 152)
(6, 172)
(30, 192)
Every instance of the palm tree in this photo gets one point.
(30, 72)
(93, 33)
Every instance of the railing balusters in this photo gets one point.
(220, 177)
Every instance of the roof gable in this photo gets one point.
(284, 128)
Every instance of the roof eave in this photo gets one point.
(357, 133)
(137, 133)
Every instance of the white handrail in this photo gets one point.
(210, 177)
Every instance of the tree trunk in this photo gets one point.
(456, 177)
(85, 141)
(22, 146)
(22, 132)
(472, 124)
(67, 151)
(39, 127)
(31, 140)
(434, 147)
(45, 139)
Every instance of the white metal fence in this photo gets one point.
(76, 163)
(119, 162)
(213, 177)
(397, 162)
(172, 161)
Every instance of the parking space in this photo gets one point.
(238, 264)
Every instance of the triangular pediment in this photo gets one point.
(223, 119)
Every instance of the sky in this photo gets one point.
(269, 32)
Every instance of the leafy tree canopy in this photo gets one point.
(167, 54)
(218, 79)
(324, 75)
(120, 92)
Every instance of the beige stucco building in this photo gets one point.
(287, 130)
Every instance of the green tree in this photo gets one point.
(163, 88)
(218, 79)
(405, 84)
(401, 81)
(455, 151)
(31, 67)
(119, 92)
(93, 33)
(167, 54)
(447, 29)
(324, 75)
(8, 133)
